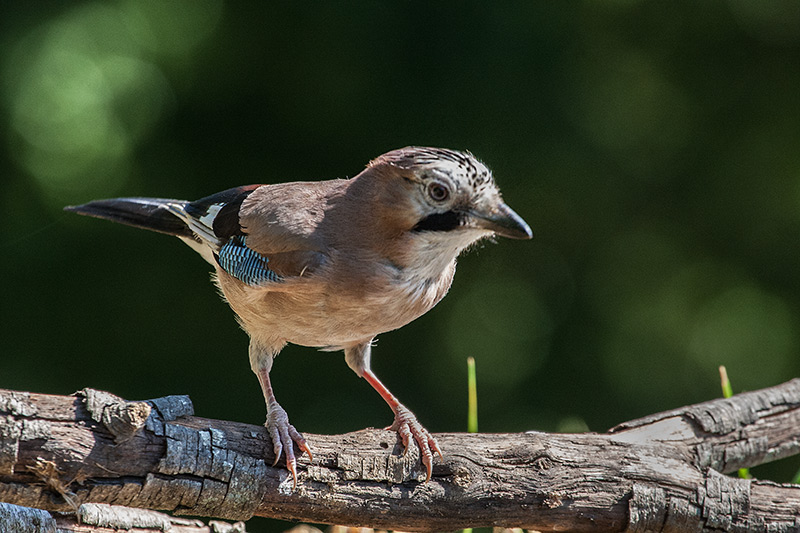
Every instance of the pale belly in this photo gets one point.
(318, 316)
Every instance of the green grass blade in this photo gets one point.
(472, 405)
(472, 387)
(727, 392)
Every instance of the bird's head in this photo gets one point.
(448, 194)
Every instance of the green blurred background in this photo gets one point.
(653, 147)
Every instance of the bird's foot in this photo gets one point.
(407, 426)
(284, 436)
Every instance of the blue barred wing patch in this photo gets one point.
(245, 264)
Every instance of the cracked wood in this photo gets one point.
(659, 473)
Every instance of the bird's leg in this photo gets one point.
(406, 424)
(282, 433)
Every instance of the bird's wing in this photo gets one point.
(261, 234)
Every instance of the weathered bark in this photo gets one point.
(103, 518)
(660, 473)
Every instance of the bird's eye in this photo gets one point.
(438, 192)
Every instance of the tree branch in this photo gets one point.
(103, 518)
(659, 473)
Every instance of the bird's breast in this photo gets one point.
(322, 312)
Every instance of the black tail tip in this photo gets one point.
(145, 213)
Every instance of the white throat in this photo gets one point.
(434, 251)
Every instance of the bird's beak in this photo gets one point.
(502, 220)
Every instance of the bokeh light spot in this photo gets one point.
(670, 318)
(627, 106)
(749, 331)
(83, 92)
(172, 28)
(777, 21)
(572, 424)
(505, 325)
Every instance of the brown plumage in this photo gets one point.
(332, 264)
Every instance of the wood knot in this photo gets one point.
(121, 418)
(542, 462)
(553, 500)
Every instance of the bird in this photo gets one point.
(331, 264)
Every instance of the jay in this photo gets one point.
(331, 264)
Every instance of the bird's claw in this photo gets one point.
(284, 436)
(407, 426)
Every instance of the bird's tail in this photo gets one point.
(154, 214)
